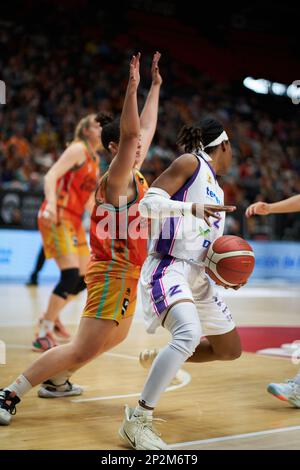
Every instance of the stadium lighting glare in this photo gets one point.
(263, 86)
(279, 89)
(258, 86)
(293, 91)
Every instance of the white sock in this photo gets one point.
(139, 410)
(20, 386)
(46, 326)
(296, 379)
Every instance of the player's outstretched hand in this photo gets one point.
(258, 208)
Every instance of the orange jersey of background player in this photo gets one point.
(119, 234)
(75, 187)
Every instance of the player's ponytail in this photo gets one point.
(83, 124)
(110, 133)
(104, 118)
(190, 138)
(201, 136)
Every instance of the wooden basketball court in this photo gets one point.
(220, 405)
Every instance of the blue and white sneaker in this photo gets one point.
(287, 391)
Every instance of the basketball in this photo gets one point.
(230, 260)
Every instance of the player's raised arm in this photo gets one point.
(158, 203)
(292, 204)
(120, 170)
(148, 118)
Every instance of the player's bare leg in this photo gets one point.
(69, 266)
(225, 347)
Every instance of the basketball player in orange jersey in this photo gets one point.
(116, 258)
(69, 186)
(290, 390)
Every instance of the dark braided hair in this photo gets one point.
(197, 136)
(190, 137)
(110, 129)
(104, 118)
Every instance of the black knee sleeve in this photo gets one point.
(68, 281)
(80, 286)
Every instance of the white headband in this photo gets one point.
(218, 140)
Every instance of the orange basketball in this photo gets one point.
(229, 261)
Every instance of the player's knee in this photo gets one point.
(193, 339)
(69, 279)
(81, 286)
(187, 338)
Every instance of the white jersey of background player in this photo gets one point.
(290, 390)
(176, 292)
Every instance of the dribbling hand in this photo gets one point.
(210, 210)
(234, 287)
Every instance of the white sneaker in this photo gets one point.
(288, 391)
(137, 431)
(146, 359)
(5, 417)
(8, 402)
(50, 390)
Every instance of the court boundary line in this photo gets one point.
(26, 346)
(186, 378)
(269, 356)
(139, 320)
(135, 358)
(234, 437)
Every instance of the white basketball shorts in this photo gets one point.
(166, 280)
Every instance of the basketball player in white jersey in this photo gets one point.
(290, 390)
(176, 292)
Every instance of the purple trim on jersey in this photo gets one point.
(158, 294)
(212, 170)
(164, 242)
(177, 226)
(164, 245)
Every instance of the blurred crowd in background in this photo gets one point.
(52, 84)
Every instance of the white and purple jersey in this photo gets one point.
(174, 270)
(188, 237)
